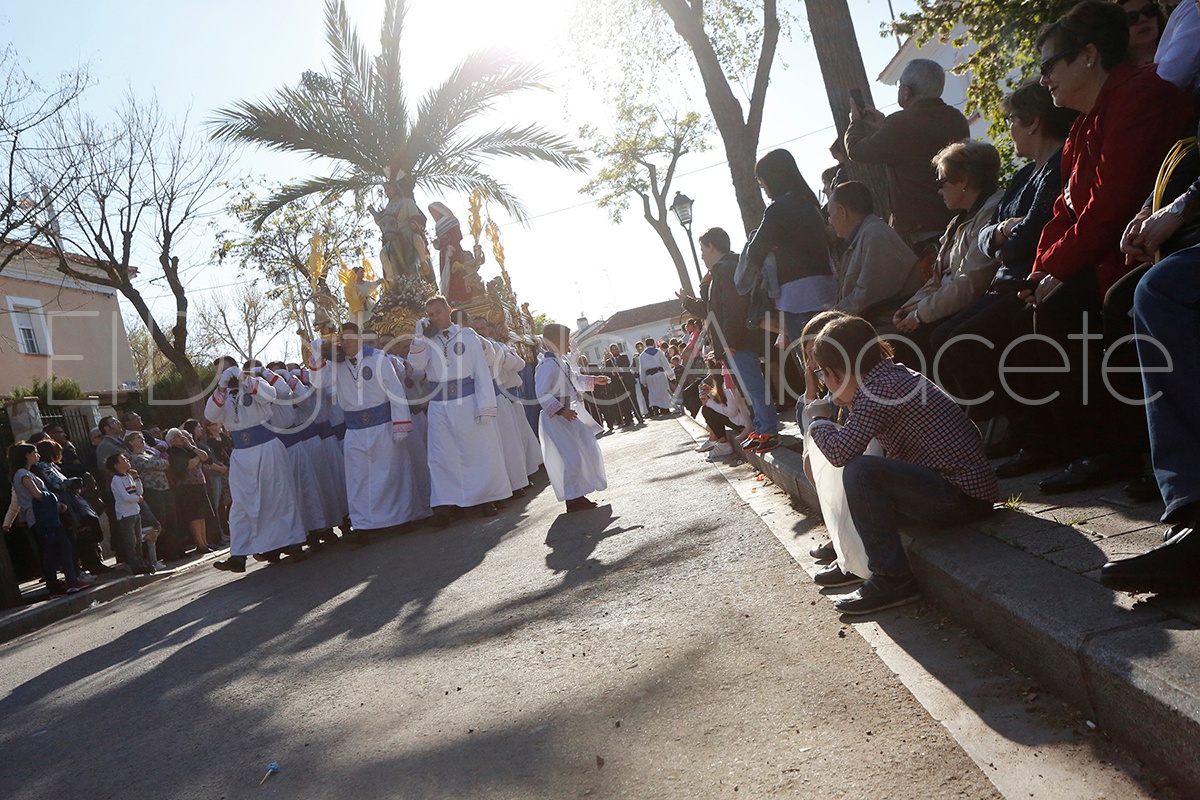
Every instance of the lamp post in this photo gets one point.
(682, 206)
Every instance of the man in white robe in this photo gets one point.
(292, 420)
(380, 487)
(465, 459)
(654, 368)
(510, 381)
(572, 454)
(512, 447)
(264, 516)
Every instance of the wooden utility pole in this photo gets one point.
(842, 69)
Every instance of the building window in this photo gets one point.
(29, 326)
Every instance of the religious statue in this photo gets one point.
(360, 291)
(459, 269)
(325, 311)
(402, 225)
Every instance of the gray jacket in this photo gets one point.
(877, 272)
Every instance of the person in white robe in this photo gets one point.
(510, 381)
(417, 444)
(293, 424)
(313, 419)
(569, 447)
(264, 516)
(380, 487)
(655, 370)
(465, 459)
(512, 448)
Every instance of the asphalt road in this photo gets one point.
(664, 645)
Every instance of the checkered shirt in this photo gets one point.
(915, 421)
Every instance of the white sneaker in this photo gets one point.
(722, 450)
(709, 445)
(160, 566)
(85, 577)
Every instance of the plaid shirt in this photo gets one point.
(916, 422)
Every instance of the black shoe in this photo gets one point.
(1084, 473)
(295, 553)
(878, 594)
(1023, 463)
(833, 576)
(1142, 490)
(488, 509)
(231, 564)
(1168, 568)
(580, 504)
(823, 552)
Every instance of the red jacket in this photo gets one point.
(1109, 166)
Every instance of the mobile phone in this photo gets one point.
(856, 97)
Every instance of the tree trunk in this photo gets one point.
(668, 239)
(832, 30)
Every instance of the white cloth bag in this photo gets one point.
(851, 556)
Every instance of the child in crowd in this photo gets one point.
(933, 468)
(569, 448)
(127, 498)
(722, 415)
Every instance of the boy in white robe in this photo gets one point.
(380, 487)
(465, 459)
(512, 448)
(654, 368)
(569, 447)
(264, 516)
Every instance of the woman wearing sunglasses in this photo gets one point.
(1146, 24)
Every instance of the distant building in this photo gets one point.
(950, 57)
(60, 327)
(659, 320)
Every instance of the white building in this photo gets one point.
(950, 57)
(658, 320)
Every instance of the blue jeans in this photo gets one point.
(880, 491)
(57, 553)
(794, 324)
(1166, 308)
(747, 372)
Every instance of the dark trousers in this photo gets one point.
(1166, 309)
(57, 553)
(882, 491)
(965, 349)
(627, 407)
(718, 423)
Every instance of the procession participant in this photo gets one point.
(465, 459)
(654, 368)
(511, 381)
(511, 446)
(293, 419)
(264, 516)
(379, 483)
(417, 444)
(312, 424)
(572, 455)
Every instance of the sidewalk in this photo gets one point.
(1025, 582)
(41, 612)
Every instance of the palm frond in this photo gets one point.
(330, 187)
(351, 62)
(530, 142)
(466, 180)
(389, 82)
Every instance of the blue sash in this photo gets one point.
(369, 417)
(298, 435)
(339, 430)
(451, 390)
(251, 437)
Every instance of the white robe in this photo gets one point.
(333, 448)
(417, 443)
(465, 458)
(290, 415)
(510, 381)
(380, 487)
(512, 448)
(572, 454)
(657, 384)
(264, 516)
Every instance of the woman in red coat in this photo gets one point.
(1128, 119)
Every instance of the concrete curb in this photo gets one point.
(1130, 667)
(18, 622)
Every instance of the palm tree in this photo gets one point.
(360, 118)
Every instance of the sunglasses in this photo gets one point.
(1048, 64)
(1149, 12)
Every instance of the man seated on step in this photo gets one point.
(933, 468)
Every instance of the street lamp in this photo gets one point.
(682, 207)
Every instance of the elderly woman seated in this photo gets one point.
(968, 172)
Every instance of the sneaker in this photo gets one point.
(160, 566)
(708, 445)
(722, 450)
(833, 576)
(749, 440)
(73, 588)
(879, 594)
(84, 579)
(767, 443)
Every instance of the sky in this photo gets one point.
(569, 259)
